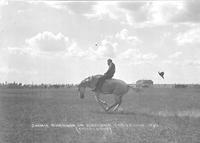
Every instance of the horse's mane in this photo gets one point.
(93, 76)
(89, 78)
(97, 76)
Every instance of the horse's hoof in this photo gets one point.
(105, 104)
(107, 109)
(120, 109)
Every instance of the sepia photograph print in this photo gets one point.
(97, 71)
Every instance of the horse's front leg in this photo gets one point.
(101, 102)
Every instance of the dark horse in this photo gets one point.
(116, 87)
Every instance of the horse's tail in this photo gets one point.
(136, 89)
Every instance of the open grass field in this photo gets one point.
(59, 116)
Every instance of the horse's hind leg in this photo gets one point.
(117, 102)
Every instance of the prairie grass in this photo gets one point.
(155, 116)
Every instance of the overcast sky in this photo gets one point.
(64, 42)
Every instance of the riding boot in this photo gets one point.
(96, 87)
(99, 84)
(94, 90)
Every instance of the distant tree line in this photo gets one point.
(42, 85)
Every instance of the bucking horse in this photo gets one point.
(116, 87)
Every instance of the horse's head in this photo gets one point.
(82, 86)
(81, 89)
(87, 82)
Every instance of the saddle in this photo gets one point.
(100, 83)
